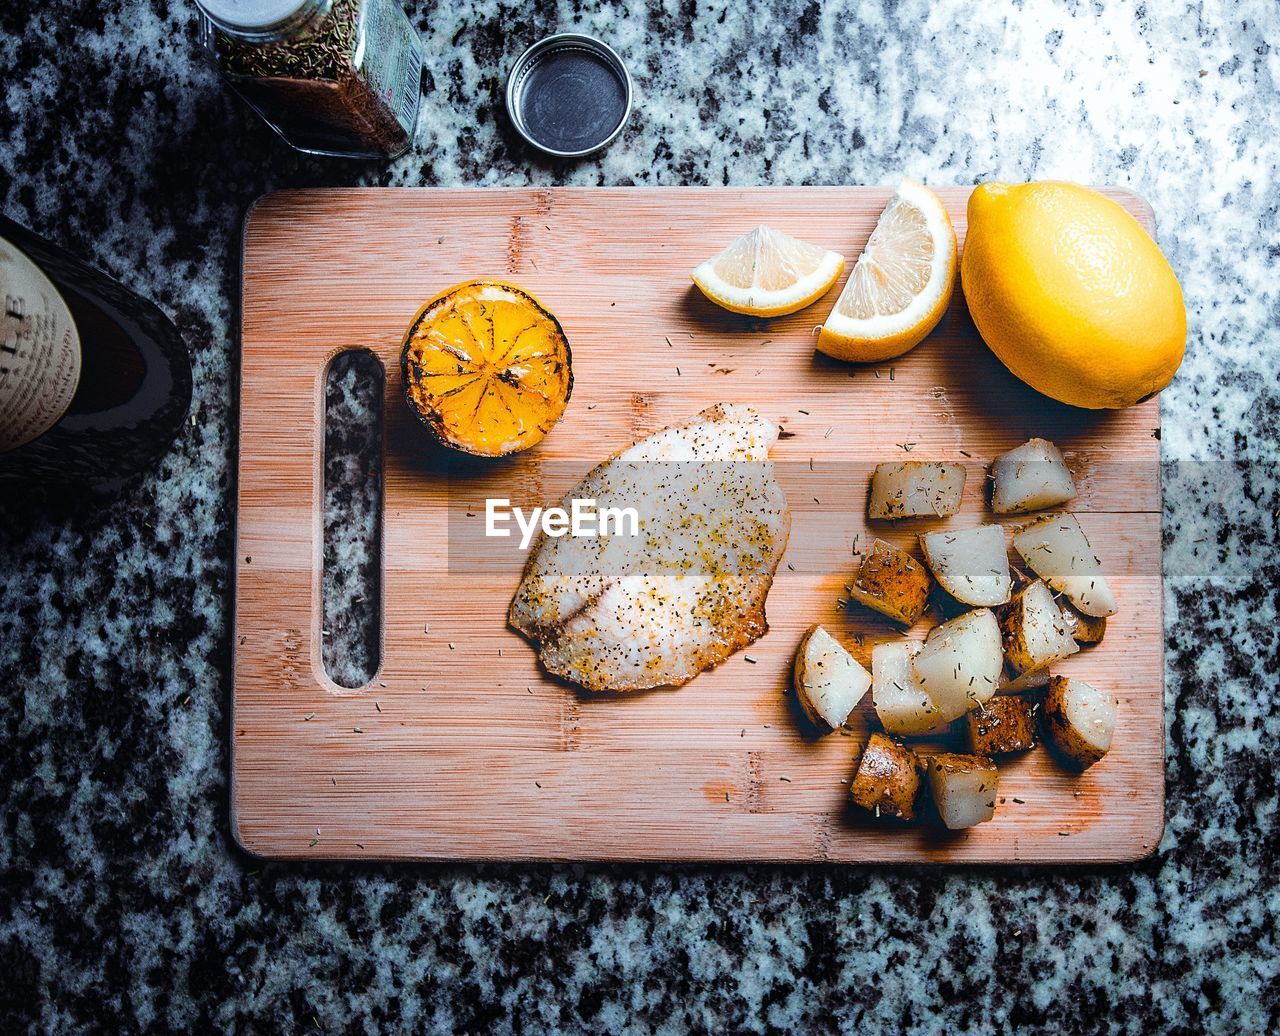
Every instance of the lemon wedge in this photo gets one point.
(767, 273)
(900, 285)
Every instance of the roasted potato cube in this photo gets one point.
(1084, 629)
(972, 565)
(829, 681)
(1056, 549)
(887, 781)
(1033, 630)
(891, 582)
(902, 705)
(1079, 721)
(916, 489)
(1005, 724)
(964, 788)
(960, 664)
(1030, 477)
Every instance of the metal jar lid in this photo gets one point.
(569, 95)
(259, 16)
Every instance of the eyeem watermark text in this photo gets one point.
(582, 518)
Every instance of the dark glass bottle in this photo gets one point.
(94, 380)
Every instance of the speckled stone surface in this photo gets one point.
(124, 905)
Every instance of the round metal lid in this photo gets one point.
(569, 95)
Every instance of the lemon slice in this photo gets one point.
(900, 285)
(767, 273)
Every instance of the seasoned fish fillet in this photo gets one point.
(621, 613)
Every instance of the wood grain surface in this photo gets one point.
(461, 748)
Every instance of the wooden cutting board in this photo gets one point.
(461, 748)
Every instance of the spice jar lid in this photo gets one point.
(569, 95)
(253, 15)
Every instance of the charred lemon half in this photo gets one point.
(487, 368)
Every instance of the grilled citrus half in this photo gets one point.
(487, 368)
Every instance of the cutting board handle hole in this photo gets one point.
(351, 588)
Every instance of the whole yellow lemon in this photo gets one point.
(1071, 293)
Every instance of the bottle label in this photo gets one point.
(39, 351)
(393, 61)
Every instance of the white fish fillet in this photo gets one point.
(623, 613)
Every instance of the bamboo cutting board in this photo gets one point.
(461, 747)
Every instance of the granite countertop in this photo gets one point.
(124, 904)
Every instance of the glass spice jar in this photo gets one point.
(332, 77)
